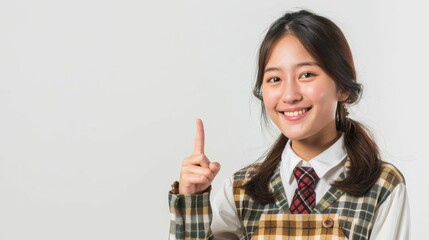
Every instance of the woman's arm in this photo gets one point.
(190, 216)
(392, 219)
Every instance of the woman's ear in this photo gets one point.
(343, 96)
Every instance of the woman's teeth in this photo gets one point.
(296, 113)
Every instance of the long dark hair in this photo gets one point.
(327, 45)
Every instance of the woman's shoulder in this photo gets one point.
(390, 176)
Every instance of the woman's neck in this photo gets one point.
(307, 149)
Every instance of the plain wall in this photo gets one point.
(98, 101)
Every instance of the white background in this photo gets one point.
(98, 101)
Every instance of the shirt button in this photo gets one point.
(328, 223)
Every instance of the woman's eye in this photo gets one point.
(306, 75)
(273, 80)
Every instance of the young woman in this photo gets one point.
(322, 178)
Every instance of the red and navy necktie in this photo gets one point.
(304, 200)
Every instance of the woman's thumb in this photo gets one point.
(214, 167)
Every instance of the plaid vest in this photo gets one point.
(336, 215)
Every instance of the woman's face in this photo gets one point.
(300, 98)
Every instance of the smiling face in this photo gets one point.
(298, 95)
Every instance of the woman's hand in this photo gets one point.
(197, 171)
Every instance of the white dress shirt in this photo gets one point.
(391, 221)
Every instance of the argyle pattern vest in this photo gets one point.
(355, 214)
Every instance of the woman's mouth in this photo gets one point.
(295, 115)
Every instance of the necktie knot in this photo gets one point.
(305, 176)
(304, 199)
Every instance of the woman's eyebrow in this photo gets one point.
(272, 69)
(309, 63)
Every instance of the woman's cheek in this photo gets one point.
(316, 94)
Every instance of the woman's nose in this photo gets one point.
(291, 92)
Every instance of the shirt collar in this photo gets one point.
(322, 163)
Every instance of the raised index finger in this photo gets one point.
(199, 138)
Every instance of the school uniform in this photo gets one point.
(382, 213)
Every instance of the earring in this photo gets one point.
(346, 110)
